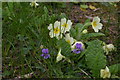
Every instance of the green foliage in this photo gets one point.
(84, 6)
(95, 58)
(65, 47)
(91, 35)
(25, 30)
(77, 31)
(114, 68)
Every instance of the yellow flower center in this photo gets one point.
(94, 23)
(65, 25)
(68, 41)
(56, 30)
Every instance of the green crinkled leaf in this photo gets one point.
(65, 47)
(95, 58)
(115, 68)
(73, 32)
(91, 35)
(78, 27)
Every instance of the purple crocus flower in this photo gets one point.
(76, 51)
(45, 54)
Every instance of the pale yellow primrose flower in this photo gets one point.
(57, 29)
(34, 4)
(59, 56)
(96, 25)
(74, 45)
(69, 39)
(65, 25)
(105, 73)
(84, 31)
(108, 48)
(54, 31)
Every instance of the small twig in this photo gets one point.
(85, 73)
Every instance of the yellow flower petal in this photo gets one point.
(92, 7)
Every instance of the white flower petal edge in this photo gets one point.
(100, 26)
(74, 45)
(51, 34)
(96, 19)
(59, 56)
(69, 23)
(63, 22)
(50, 27)
(57, 24)
(34, 4)
(95, 29)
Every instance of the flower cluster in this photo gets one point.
(59, 28)
(45, 54)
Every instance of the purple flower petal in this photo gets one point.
(47, 56)
(42, 54)
(76, 51)
(45, 51)
(79, 46)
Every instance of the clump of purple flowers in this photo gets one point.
(45, 54)
(78, 48)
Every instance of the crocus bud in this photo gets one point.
(84, 31)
